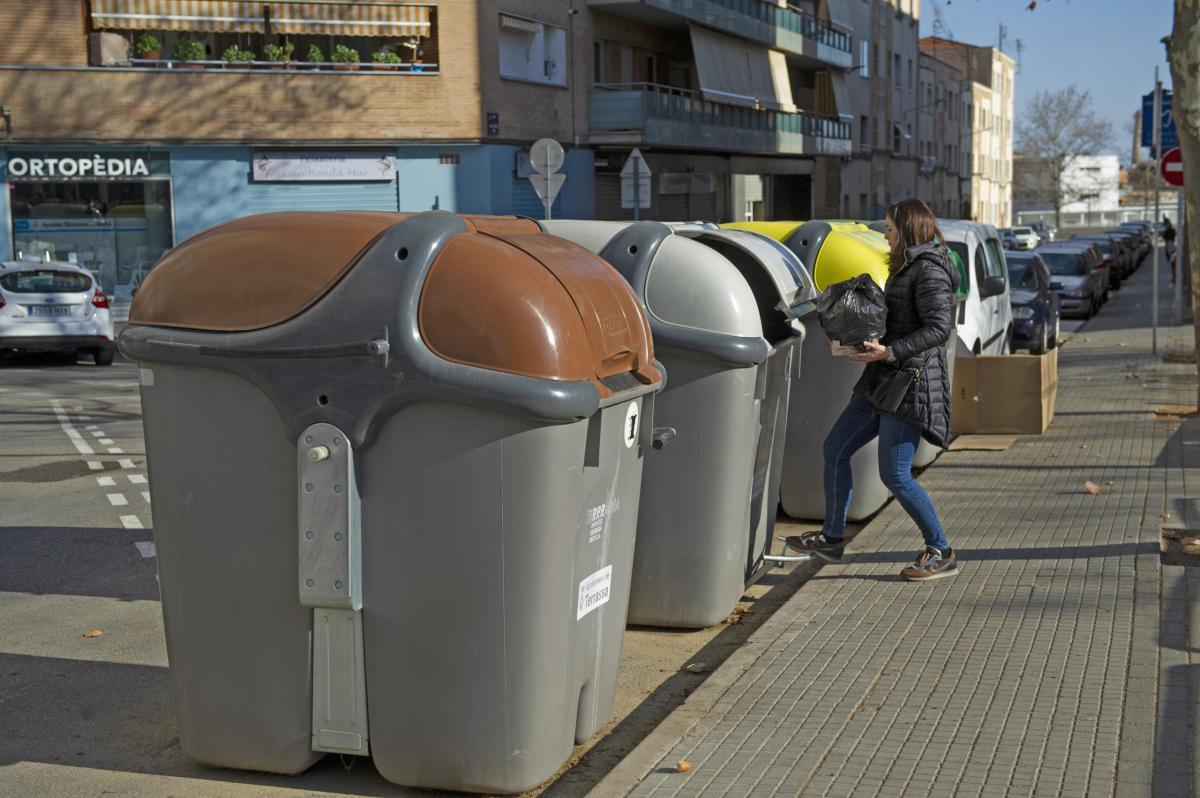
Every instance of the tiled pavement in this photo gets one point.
(1041, 669)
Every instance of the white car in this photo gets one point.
(985, 323)
(54, 307)
(1024, 238)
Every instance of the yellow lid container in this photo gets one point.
(834, 250)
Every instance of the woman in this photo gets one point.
(920, 320)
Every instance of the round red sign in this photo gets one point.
(1171, 166)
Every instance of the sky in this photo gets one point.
(1106, 47)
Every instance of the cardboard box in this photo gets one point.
(1004, 394)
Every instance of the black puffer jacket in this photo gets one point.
(920, 320)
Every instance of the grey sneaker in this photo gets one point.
(932, 564)
(829, 550)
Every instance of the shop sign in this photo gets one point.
(314, 167)
(97, 165)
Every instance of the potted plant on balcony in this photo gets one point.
(385, 59)
(279, 56)
(188, 52)
(235, 55)
(148, 47)
(315, 57)
(344, 57)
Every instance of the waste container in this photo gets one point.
(833, 251)
(395, 463)
(722, 308)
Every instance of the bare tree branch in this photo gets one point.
(1055, 129)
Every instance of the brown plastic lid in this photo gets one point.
(254, 272)
(503, 296)
(509, 297)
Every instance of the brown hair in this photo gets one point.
(916, 225)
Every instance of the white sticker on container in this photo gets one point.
(594, 518)
(630, 430)
(147, 377)
(594, 591)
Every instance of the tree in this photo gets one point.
(1056, 128)
(1184, 53)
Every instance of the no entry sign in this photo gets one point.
(1171, 167)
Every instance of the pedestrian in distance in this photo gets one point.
(1168, 236)
(903, 395)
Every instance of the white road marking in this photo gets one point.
(131, 522)
(98, 434)
(146, 496)
(117, 499)
(126, 463)
(106, 482)
(64, 422)
(115, 450)
(137, 479)
(89, 426)
(146, 548)
(106, 441)
(95, 465)
(86, 418)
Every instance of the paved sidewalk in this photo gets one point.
(1036, 671)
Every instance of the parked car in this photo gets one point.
(1045, 232)
(985, 316)
(1025, 237)
(1112, 256)
(1074, 267)
(54, 307)
(1135, 247)
(1007, 239)
(1035, 302)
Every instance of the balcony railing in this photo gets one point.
(671, 116)
(284, 66)
(791, 18)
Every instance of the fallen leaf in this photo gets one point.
(1121, 343)
(1131, 376)
(1086, 339)
(93, 633)
(683, 766)
(1109, 483)
(697, 667)
(1165, 516)
(1144, 385)
(1092, 487)
(1083, 446)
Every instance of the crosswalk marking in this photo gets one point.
(95, 465)
(137, 479)
(146, 548)
(115, 450)
(106, 482)
(126, 463)
(146, 496)
(131, 522)
(117, 499)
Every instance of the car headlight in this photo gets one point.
(1023, 312)
(1076, 294)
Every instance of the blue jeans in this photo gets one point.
(858, 425)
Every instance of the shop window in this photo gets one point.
(116, 227)
(532, 51)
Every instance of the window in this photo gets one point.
(864, 58)
(896, 69)
(912, 80)
(864, 131)
(878, 63)
(995, 261)
(597, 63)
(532, 51)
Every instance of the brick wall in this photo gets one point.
(212, 105)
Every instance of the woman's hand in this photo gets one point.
(875, 351)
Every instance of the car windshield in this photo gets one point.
(1104, 244)
(45, 281)
(1069, 263)
(1023, 231)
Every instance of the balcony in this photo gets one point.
(648, 114)
(786, 28)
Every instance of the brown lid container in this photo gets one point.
(503, 296)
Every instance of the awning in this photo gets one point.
(217, 16)
(839, 15)
(357, 19)
(516, 23)
(736, 72)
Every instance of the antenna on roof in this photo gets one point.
(940, 28)
(1003, 37)
(1020, 49)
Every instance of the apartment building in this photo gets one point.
(990, 74)
(732, 104)
(134, 124)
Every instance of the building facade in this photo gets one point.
(945, 140)
(991, 76)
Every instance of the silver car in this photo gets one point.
(54, 307)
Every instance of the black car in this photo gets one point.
(1035, 303)
(1112, 255)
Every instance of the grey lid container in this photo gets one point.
(396, 479)
(722, 308)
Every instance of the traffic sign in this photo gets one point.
(546, 156)
(1170, 137)
(1171, 167)
(635, 182)
(548, 186)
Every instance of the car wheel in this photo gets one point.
(1057, 333)
(104, 355)
(1008, 341)
(1042, 343)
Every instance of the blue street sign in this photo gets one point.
(1170, 138)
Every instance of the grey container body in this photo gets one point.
(708, 506)
(816, 403)
(486, 500)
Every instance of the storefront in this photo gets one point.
(107, 210)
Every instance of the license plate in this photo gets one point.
(50, 310)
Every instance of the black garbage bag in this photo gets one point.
(853, 311)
